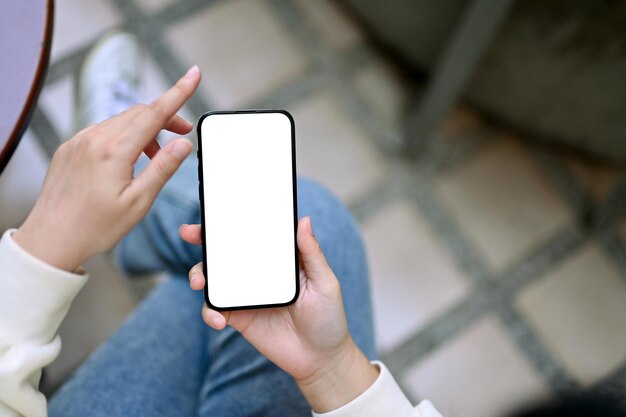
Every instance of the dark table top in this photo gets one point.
(25, 39)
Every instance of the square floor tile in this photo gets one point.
(98, 310)
(386, 92)
(57, 102)
(78, 22)
(503, 203)
(479, 373)
(333, 23)
(579, 309)
(243, 51)
(332, 149)
(20, 182)
(413, 277)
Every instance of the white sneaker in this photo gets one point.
(108, 80)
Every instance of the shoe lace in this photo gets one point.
(123, 96)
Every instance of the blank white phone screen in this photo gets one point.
(248, 197)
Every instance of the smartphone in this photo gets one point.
(248, 203)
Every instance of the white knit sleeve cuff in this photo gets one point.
(34, 296)
(384, 398)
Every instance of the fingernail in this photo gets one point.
(192, 72)
(310, 225)
(179, 148)
(194, 278)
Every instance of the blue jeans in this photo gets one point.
(164, 361)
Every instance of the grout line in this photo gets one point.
(562, 179)
(128, 8)
(355, 58)
(390, 188)
(294, 91)
(536, 263)
(374, 200)
(178, 11)
(437, 332)
(66, 65)
(614, 203)
(448, 231)
(44, 131)
(525, 337)
(338, 80)
(608, 216)
(496, 295)
(490, 295)
(313, 79)
(615, 248)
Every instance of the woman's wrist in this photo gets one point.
(47, 248)
(342, 380)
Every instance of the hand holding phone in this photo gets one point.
(250, 274)
(309, 339)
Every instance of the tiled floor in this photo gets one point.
(502, 202)
(498, 267)
(414, 278)
(578, 309)
(266, 57)
(491, 376)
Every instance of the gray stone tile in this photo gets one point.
(242, 50)
(332, 149)
(579, 310)
(333, 23)
(503, 203)
(480, 373)
(413, 277)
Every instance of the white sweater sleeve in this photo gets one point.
(384, 398)
(34, 299)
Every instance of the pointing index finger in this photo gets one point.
(144, 126)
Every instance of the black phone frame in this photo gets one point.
(295, 206)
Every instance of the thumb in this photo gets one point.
(311, 255)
